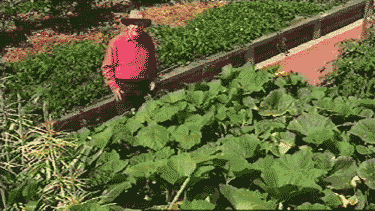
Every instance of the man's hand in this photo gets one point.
(152, 86)
(117, 94)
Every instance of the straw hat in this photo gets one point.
(136, 18)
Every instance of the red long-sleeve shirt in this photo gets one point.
(130, 55)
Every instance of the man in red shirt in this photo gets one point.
(129, 66)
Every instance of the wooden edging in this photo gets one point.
(259, 50)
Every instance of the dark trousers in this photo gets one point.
(134, 93)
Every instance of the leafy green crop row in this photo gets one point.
(219, 29)
(68, 76)
(357, 72)
(28, 6)
(260, 142)
(42, 6)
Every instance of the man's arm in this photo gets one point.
(107, 69)
(155, 69)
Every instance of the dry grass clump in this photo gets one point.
(37, 152)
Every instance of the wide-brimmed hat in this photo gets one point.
(136, 18)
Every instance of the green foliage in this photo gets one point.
(356, 75)
(89, 206)
(367, 172)
(45, 6)
(261, 141)
(68, 76)
(218, 29)
(27, 191)
(28, 6)
(308, 206)
(178, 152)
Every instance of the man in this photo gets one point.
(129, 66)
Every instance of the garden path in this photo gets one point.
(315, 58)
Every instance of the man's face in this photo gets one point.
(137, 28)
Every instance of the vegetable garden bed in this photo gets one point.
(50, 70)
(239, 142)
(247, 140)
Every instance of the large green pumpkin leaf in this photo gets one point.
(343, 107)
(227, 74)
(308, 123)
(297, 169)
(141, 158)
(266, 126)
(133, 125)
(181, 105)
(195, 118)
(276, 103)
(81, 136)
(201, 121)
(177, 167)
(223, 98)
(250, 103)
(107, 165)
(243, 146)
(284, 141)
(145, 169)
(344, 170)
(174, 97)
(164, 153)
(247, 200)
(154, 137)
(346, 149)
(215, 88)
(165, 113)
(264, 163)
(233, 91)
(251, 81)
(364, 112)
(208, 118)
(236, 119)
(221, 112)
(198, 205)
(121, 120)
(365, 129)
(368, 103)
(181, 133)
(316, 206)
(363, 150)
(338, 105)
(122, 134)
(89, 206)
(188, 134)
(325, 160)
(319, 136)
(367, 172)
(100, 140)
(306, 94)
(197, 97)
(107, 157)
(145, 112)
(332, 199)
(205, 153)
